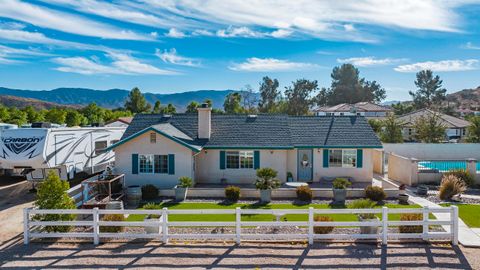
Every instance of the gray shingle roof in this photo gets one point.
(447, 120)
(265, 130)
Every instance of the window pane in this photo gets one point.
(153, 137)
(233, 160)
(246, 159)
(100, 147)
(350, 158)
(146, 163)
(335, 158)
(161, 164)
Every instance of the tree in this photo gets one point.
(192, 107)
(348, 87)
(74, 118)
(52, 194)
(429, 90)
(249, 99)
(269, 95)
(298, 96)
(392, 130)
(33, 115)
(429, 129)
(136, 102)
(232, 103)
(473, 131)
(402, 108)
(94, 113)
(17, 116)
(56, 115)
(376, 125)
(4, 114)
(157, 108)
(169, 109)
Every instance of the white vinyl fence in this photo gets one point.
(34, 229)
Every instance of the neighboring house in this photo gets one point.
(456, 128)
(367, 109)
(214, 148)
(120, 122)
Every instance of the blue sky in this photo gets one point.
(166, 46)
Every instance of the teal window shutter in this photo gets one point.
(325, 158)
(256, 159)
(359, 158)
(171, 164)
(134, 163)
(222, 160)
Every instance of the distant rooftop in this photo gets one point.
(359, 107)
(447, 120)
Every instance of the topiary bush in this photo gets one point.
(410, 228)
(149, 192)
(232, 193)
(322, 229)
(463, 175)
(304, 193)
(374, 193)
(451, 186)
(112, 229)
(52, 194)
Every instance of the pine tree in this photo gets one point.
(136, 102)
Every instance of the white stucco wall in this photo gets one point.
(163, 146)
(434, 150)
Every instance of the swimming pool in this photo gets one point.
(444, 165)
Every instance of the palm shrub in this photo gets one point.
(451, 186)
(52, 194)
(149, 192)
(185, 182)
(374, 193)
(323, 229)
(410, 228)
(266, 179)
(463, 175)
(363, 204)
(232, 193)
(112, 229)
(341, 183)
(304, 193)
(152, 206)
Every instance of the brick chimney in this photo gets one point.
(204, 121)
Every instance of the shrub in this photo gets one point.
(112, 229)
(376, 194)
(152, 206)
(451, 186)
(185, 182)
(232, 193)
(341, 183)
(463, 175)
(410, 228)
(323, 230)
(267, 179)
(52, 194)
(363, 204)
(304, 193)
(149, 192)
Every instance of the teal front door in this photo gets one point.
(305, 165)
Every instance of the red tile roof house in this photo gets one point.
(158, 149)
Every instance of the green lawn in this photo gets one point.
(260, 217)
(469, 213)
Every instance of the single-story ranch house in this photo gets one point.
(225, 148)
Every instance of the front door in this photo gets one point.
(305, 165)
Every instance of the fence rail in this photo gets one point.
(35, 229)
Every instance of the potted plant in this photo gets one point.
(152, 218)
(266, 181)
(365, 217)
(402, 196)
(340, 186)
(422, 190)
(289, 177)
(402, 189)
(181, 189)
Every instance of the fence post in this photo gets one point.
(96, 228)
(384, 225)
(310, 225)
(425, 223)
(238, 225)
(454, 227)
(165, 225)
(26, 226)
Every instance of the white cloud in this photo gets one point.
(174, 33)
(121, 64)
(445, 65)
(239, 32)
(471, 46)
(270, 65)
(171, 56)
(63, 21)
(370, 61)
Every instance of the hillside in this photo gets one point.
(21, 102)
(115, 98)
(465, 99)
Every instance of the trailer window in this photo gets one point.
(100, 147)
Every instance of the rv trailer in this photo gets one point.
(67, 151)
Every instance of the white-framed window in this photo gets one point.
(153, 137)
(100, 147)
(239, 159)
(153, 163)
(345, 158)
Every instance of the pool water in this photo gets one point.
(446, 165)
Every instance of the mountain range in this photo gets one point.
(112, 98)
